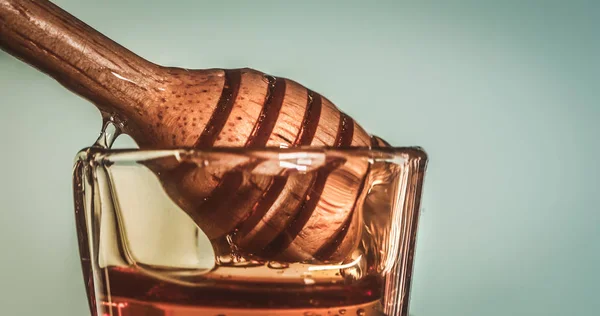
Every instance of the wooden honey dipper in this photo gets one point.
(165, 107)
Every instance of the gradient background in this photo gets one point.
(503, 95)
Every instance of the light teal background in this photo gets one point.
(503, 95)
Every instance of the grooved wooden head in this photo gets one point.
(239, 108)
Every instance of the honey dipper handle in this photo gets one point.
(80, 58)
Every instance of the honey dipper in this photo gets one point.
(166, 107)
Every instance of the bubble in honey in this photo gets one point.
(361, 312)
(225, 259)
(314, 302)
(309, 281)
(277, 265)
(342, 311)
(308, 278)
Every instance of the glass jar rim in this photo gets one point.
(264, 152)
